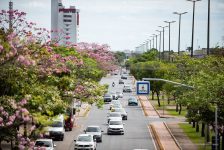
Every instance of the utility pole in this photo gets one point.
(192, 39)
(163, 37)
(180, 14)
(159, 43)
(169, 22)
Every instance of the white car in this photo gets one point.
(115, 126)
(114, 115)
(120, 94)
(85, 141)
(95, 131)
(46, 144)
(114, 102)
(114, 95)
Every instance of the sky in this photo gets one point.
(126, 24)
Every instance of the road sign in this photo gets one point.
(143, 87)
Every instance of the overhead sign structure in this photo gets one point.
(143, 87)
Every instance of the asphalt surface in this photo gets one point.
(136, 135)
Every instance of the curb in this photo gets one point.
(156, 137)
(143, 107)
(175, 140)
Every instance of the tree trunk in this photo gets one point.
(207, 133)
(153, 95)
(193, 124)
(203, 129)
(157, 93)
(197, 126)
(223, 139)
(168, 100)
(177, 109)
(25, 130)
(180, 109)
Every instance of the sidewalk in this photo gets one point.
(147, 107)
(163, 136)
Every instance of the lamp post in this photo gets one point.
(152, 41)
(169, 22)
(150, 44)
(159, 43)
(163, 37)
(179, 29)
(208, 32)
(156, 40)
(192, 40)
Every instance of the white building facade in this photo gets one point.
(64, 23)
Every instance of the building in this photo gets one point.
(64, 23)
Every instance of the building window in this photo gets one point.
(68, 16)
(66, 20)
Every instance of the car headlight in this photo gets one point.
(90, 145)
(76, 144)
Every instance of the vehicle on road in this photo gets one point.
(69, 119)
(127, 89)
(121, 81)
(95, 131)
(113, 115)
(46, 144)
(115, 126)
(124, 77)
(115, 102)
(132, 101)
(85, 141)
(56, 129)
(120, 94)
(108, 97)
(114, 95)
(124, 114)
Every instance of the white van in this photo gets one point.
(56, 130)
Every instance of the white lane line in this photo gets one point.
(153, 141)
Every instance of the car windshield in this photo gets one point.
(115, 122)
(57, 124)
(132, 99)
(107, 95)
(43, 144)
(92, 129)
(115, 115)
(86, 138)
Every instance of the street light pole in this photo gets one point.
(159, 43)
(169, 22)
(156, 40)
(163, 37)
(192, 39)
(152, 41)
(208, 32)
(179, 29)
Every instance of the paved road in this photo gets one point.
(136, 134)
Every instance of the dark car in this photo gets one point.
(107, 97)
(121, 81)
(132, 101)
(124, 77)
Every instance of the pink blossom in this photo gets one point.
(1, 108)
(1, 48)
(32, 128)
(1, 120)
(21, 147)
(9, 123)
